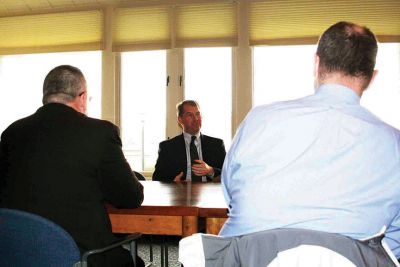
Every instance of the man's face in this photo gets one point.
(190, 119)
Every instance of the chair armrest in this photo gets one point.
(130, 239)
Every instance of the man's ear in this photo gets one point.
(83, 103)
(180, 121)
(373, 77)
(316, 65)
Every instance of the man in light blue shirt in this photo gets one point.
(321, 162)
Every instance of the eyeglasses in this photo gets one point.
(89, 98)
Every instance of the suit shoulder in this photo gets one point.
(23, 123)
(175, 140)
(101, 124)
(208, 138)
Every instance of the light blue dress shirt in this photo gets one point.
(321, 162)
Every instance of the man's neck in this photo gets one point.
(354, 83)
(186, 133)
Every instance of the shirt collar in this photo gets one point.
(339, 92)
(188, 137)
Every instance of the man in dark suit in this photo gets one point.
(191, 156)
(64, 166)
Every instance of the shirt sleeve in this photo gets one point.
(228, 168)
(392, 236)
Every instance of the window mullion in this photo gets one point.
(174, 89)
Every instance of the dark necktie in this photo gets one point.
(193, 156)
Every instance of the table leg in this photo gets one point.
(162, 254)
(189, 225)
(214, 225)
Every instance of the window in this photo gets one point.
(283, 73)
(208, 80)
(383, 96)
(286, 72)
(143, 106)
(22, 76)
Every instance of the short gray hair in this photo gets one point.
(63, 84)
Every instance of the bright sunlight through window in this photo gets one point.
(383, 96)
(143, 107)
(282, 73)
(286, 72)
(22, 76)
(208, 80)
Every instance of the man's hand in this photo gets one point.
(178, 177)
(202, 169)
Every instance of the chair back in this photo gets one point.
(139, 176)
(30, 240)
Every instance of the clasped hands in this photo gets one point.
(200, 169)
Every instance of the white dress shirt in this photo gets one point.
(197, 142)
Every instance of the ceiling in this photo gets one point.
(22, 7)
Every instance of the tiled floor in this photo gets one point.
(144, 250)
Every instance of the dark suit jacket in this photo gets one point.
(64, 166)
(172, 157)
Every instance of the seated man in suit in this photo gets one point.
(191, 156)
(63, 165)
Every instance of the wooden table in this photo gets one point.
(173, 209)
